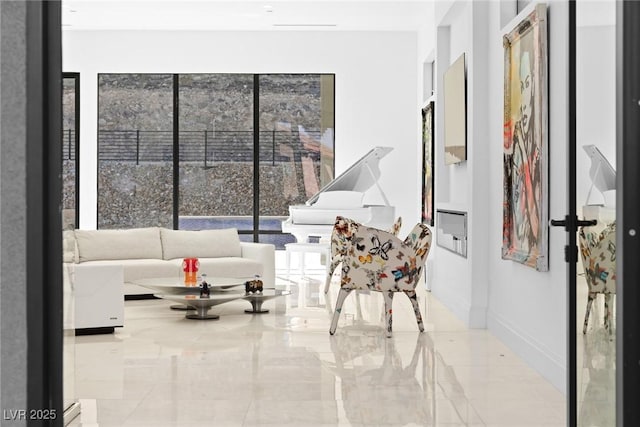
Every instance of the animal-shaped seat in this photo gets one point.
(377, 260)
(598, 252)
(341, 232)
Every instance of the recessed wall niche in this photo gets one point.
(451, 232)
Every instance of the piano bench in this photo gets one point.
(303, 248)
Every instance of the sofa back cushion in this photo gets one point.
(69, 251)
(135, 243)
(200, 244)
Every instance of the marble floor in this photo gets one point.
(283, 368)
(596, 362)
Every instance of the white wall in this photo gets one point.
(376, 89)
(526, 309)
(595, 101)
(459, 282)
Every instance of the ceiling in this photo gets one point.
(243, 15)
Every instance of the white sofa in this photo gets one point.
(158, 252)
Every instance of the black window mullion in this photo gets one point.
(256, 157)
(176, 149)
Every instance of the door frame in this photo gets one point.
(571, 248)
(627, 212)
(627, 216)
(43, 216)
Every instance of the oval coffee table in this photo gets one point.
(257, 299)
(165, 286)
(222, 290)
(202, 305)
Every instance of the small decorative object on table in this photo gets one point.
(253, 286)
(205, 290)
(190, 267)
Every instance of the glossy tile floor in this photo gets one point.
(283, 368)
(596, 361)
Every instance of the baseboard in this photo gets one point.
(551, 366)
(95, 331)
(477, 317)
(133, 297)
(472, 316)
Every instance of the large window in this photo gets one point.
(296, 142)
(135, 150)
(70, 147)
(216, 151)
(180, 150)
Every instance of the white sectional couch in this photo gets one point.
(158, 252)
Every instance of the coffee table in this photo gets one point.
(221, 290)
(256, 300)
(202, 305)
(175, 285)
(165, 286)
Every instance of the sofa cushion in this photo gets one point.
(200, 244)
(69, 251)
(135, 269)
(135, 243)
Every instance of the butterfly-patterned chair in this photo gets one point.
(598, 250)
(341, 232)
(377, 260)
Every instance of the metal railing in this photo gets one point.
(207, 146)
(68, 144)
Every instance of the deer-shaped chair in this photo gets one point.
(598, 252)
(342, 230)
(377, 260)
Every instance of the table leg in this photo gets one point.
(201, 314)
(256, 305)
(181, 307)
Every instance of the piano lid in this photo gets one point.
(360, 176)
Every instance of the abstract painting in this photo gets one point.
(427, 163)
(525, 142)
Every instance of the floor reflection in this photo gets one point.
(596, 353)
(376, 386)
(283, 367)
(400, 392)
(597, 403)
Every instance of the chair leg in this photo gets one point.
(586, 315)
(608, 313)
(388, 303)
(336, 313)
(331, 269)
(416, 308)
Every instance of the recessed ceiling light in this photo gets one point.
(305, 25)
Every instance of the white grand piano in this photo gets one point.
(343, 196)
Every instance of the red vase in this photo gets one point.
(190, 268)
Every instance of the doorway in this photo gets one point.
(603, 350)
(595, 140)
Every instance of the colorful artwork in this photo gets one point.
(526, 195)
(427, 163)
